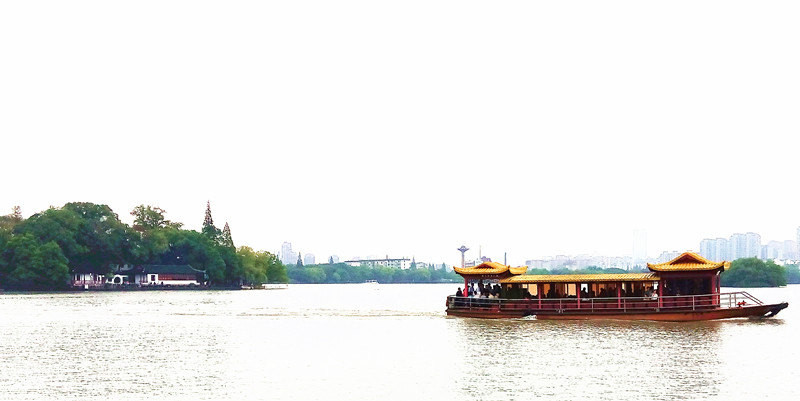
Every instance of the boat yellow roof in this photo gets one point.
(490, 268)
(688, 261)
(579, 278)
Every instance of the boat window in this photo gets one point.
(688, 286)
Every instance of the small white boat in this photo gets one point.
(274, 286)
(371, 282)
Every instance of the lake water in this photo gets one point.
(374, 342)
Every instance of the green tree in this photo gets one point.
(148, 218)
(106, 239)
(792, 274)
(276, 271)
(209, 229)
(315, 275)
(254, 268)
(753, 272)
(59, 225)
(233, 268)
(91, 236)
(32, 265)
(151, 245)
(226, 239)
(8, 222)
(195, 249)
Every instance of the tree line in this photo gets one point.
(40, 252)
(754, 272)
(344, 273)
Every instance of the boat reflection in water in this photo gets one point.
(643, 359)
(686, 288)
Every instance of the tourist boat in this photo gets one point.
(371, 282)
(686, 288)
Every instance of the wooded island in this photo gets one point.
(48, 250)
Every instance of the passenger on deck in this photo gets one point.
(470, 292)
(459, 293)
(584, 293)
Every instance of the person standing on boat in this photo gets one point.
(459, 293)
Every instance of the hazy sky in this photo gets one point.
(410, 127)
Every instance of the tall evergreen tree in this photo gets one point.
(299, 260)
(16, 214)
(226, 239)
(330, 260)
(209, 229)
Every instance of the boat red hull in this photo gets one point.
(671, 316)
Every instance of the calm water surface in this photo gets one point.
(374, 342)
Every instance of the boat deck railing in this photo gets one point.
(606, 305)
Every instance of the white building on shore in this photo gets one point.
(396, 263)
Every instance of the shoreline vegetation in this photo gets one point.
(754, 272)
(42, 252)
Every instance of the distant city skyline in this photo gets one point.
(738, 245)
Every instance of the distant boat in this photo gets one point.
(274, 286)
(371, 282)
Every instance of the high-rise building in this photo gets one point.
(715, 249)
(797, 244)
(737, 246)
(639, 248)
(309, 259)
(745, 246)
(708, 249)
(789, 250)
(774, 250)
(763, 254)
(722, 251)
(288, 256)
(752, 245)
(666, 256)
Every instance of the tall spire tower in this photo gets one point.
(463, 250)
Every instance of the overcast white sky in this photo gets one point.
(410, 127)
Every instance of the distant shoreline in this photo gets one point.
(177, 288)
